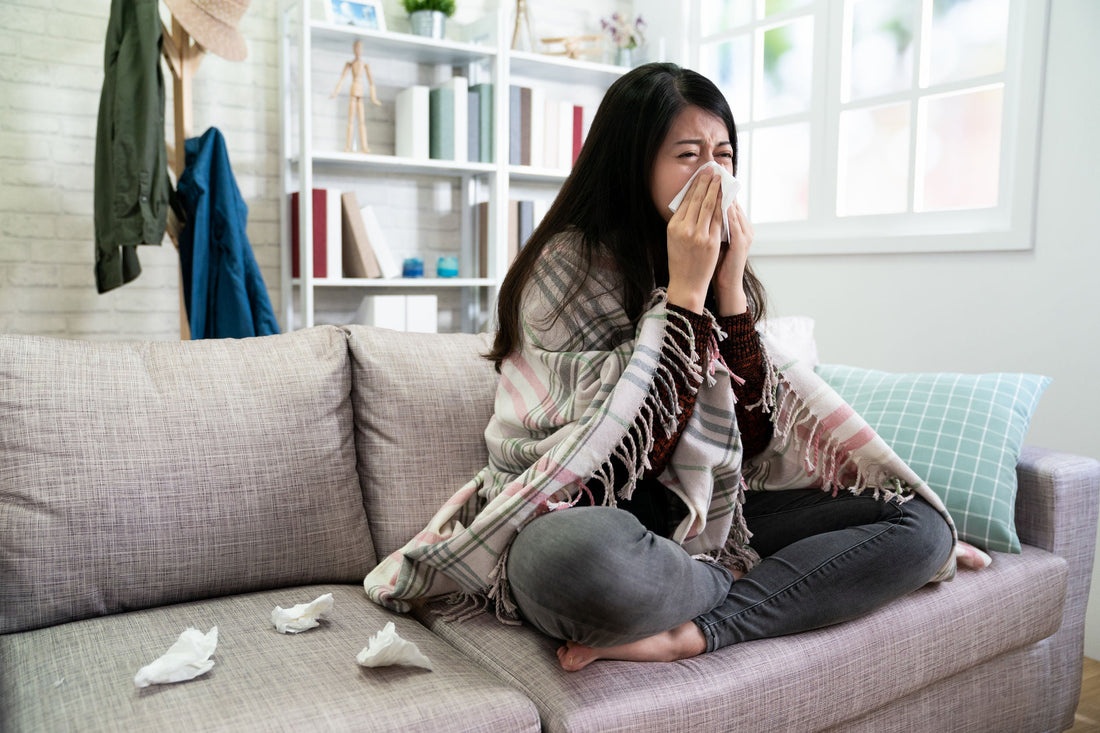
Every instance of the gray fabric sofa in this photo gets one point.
(149, 487)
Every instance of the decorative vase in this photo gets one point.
(624, 57)
(430, 23)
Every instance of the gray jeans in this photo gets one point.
(596, 576)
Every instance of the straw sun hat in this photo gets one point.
(213, 24)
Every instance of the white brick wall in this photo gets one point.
(51, 73)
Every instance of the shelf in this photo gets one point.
(393, 164)
(434, 283)
(561, 69)
(527, 174)
(402, 46)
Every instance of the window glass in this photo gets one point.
(873, 164)
(780, 172)
(717, 16)
(729, 66)
(968, 39)
(880, 56)
(787, 69)
(744, 167)
(958, 154)
(781, 6)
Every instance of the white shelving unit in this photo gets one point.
(307, 164)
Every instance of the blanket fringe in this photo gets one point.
(500, 591)
(824, 456)
(463, 605)
(637, 441)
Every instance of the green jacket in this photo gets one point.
(131, 174)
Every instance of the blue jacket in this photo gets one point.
(223, 289)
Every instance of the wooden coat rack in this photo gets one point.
(183, 56)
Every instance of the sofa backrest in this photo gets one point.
(422, 402)
(138, 474)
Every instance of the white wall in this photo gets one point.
(1026, 311)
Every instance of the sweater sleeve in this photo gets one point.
(744, 357)
(663, 445)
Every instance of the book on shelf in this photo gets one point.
(544, 132)
(359, 258)
(513, 231)
(483, 239)
(578, 131)
(526, 221)
(412, 129)
(485, 122)
(550, 134)
(448, 120)
(525, 125)
(537, 128)
(422, 313)
(419, 313)
(515, 127)
(382, 311)
(327, 234)
(565, 136)
(473, 124)
(387, 263)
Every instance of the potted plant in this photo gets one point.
(429, 16)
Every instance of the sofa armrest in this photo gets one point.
(1057, 501)
(1056, 510)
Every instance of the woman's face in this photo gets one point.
(696, 137)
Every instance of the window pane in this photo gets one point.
(787, 69)
(778, 6)
(780, 172)
(968, 39)
(729, 66)
(723, 15)
(744, 167)
(959, 146)
(880, 59)
(873, 163)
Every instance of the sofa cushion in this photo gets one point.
(422, 402)
(962, 433)
(139, 474)
(807, 681)
(80, 676)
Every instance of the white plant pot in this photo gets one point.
(430, 23)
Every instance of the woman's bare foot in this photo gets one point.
(684, 641)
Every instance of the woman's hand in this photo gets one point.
(729, 275)
(694, 242)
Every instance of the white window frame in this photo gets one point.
(1006, 227)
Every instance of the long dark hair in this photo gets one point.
(607, 198)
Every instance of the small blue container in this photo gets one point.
(446, 267)
(413, 267)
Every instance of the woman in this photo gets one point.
(633, 385)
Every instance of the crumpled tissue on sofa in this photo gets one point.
(188, 658)
(302, 617)
(387, 648)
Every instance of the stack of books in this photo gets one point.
(450, 122)
(348, 241)
(544, 132)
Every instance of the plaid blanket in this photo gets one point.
(582, 394)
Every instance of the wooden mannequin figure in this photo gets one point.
(355, 100)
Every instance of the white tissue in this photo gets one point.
(730, 187)
(302, 617)
(188, 658)
(386, 648)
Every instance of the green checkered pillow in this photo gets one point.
(961, 432)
